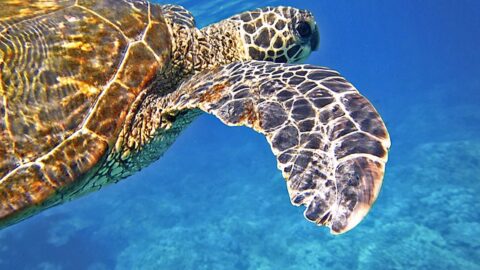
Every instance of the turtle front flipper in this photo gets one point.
(330, 142)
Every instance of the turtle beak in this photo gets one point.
(315, 40)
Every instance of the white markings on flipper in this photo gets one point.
(336, 179)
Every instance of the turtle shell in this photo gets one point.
(69, 72)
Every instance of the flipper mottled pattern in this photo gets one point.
(330, 142)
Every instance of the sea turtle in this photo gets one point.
(94, 90)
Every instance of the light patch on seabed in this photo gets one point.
(440, 227)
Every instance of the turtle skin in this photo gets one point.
(69, 72)
(93, 91)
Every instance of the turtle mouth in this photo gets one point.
(315, 40)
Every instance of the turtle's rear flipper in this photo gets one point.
(330, 142)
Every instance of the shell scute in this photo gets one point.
(74, 158)
(131, 17)
(69, 72)
(23, 190)
(111, 111)
(13, 11)
(140, 68)
(56, 69)
(158, 37)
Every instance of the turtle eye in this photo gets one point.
(304, 30)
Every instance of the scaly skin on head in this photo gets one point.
(280, 34)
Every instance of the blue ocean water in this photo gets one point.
(217, 201)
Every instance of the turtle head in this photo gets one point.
(279, 34)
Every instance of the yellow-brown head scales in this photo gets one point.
(275, 34)
(278, 34)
